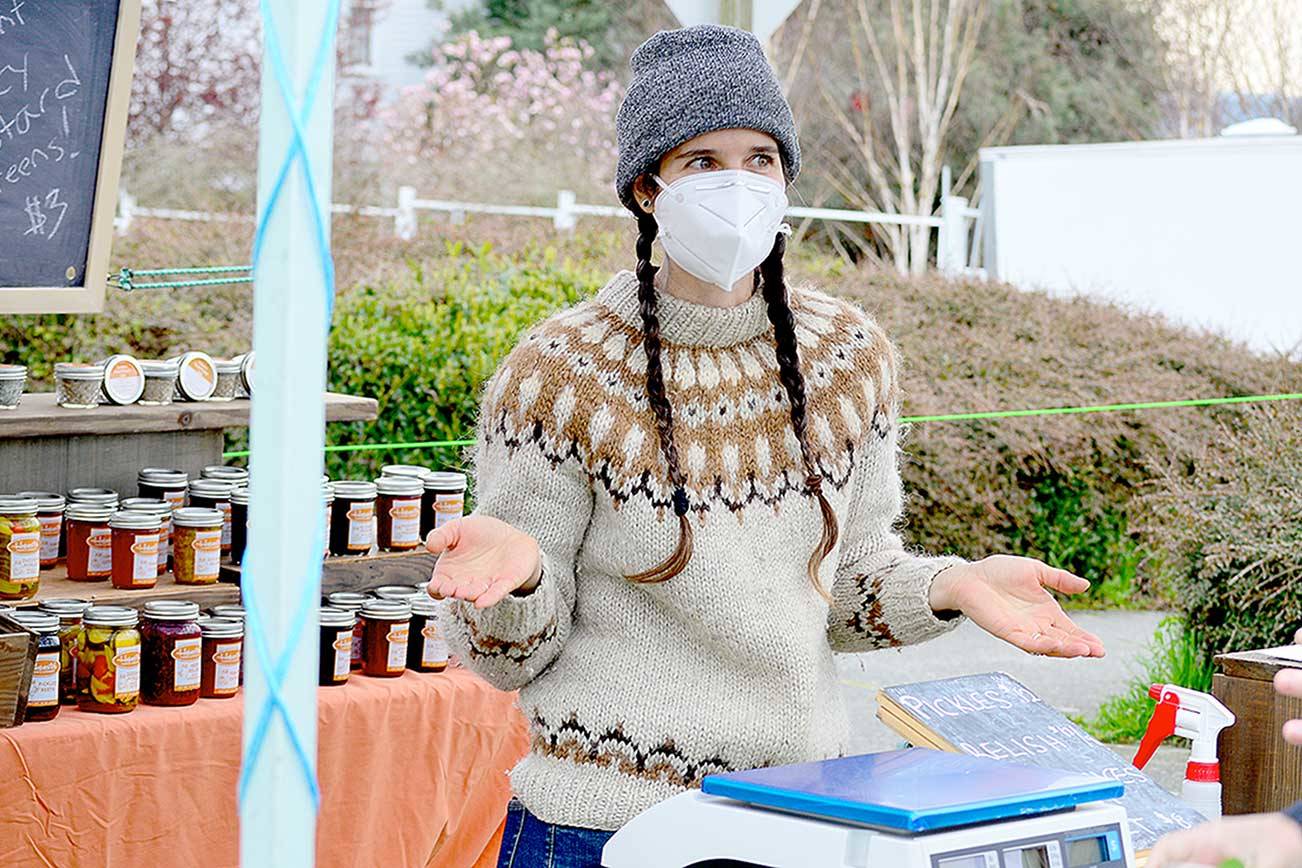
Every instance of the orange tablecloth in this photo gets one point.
(412, 772)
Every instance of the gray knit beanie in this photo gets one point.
(693, 81)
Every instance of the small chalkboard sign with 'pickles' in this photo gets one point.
(65, 88)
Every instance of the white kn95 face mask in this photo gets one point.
(719, 226)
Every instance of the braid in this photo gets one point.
(773, 285)
(655, 387)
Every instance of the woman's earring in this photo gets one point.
(646, 203)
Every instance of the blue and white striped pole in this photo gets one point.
(293, 292)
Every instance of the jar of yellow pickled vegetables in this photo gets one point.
(20, 548)
(108, 660)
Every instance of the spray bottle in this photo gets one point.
(1200, 718)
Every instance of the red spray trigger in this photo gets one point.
(1160, 725)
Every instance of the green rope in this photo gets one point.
(949, 417)
(163, 272)
(125, 279)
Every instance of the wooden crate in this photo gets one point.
(17, 658)
(1259, 770)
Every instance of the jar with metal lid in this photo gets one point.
(196, 545)
(427, 650)
(352, 530)
(337, 627)
(77, 386)
(384, 637)
(397, 517)
(223, 641)
(69, 613)
(172, 651)
(90, 542)
(395, 592)
(328, 501)
(351, 601)
(124, 380)
(413, 471)
(444, 499)
(160, 382)
(49, 513)
(13, 379)
(135, 549)
(246, 373)
(162, 510)
(228, 380)
(108, 660)
(226, 473)
(197, 376)
(230, 612)
(94, 497)
(20, 548)
(239, 523)
(215, 494)
(163, 483)
(43, 693)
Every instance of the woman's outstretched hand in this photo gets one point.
(1006, 597)
(481, 560)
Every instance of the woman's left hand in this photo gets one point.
(1006, 596)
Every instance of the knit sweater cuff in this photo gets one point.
(523, 622)
(905, 599)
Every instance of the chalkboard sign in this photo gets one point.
(994, 715)
(65, 84)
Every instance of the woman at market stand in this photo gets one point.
(687, 488)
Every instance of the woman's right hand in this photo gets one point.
(481, 560)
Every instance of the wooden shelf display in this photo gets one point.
(364, 572)
(55, 583)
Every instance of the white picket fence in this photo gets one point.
(956, 222)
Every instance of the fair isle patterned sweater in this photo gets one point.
(634, 692)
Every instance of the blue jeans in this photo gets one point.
(528, 842)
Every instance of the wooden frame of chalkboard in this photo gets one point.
(87, 294)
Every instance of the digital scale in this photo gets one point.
(914, 808)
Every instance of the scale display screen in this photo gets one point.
(1086, 851)
(1035, 857)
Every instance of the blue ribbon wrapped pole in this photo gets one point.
(293, 276)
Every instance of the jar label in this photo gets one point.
(126, 683)
(355, 656)
(51, 530)
(225, 507)
(144, 566)
(343, 646)
(397, 647)
(164, 544)
(447, 507)
(434, 650)
(207, 547)
(99, 561)
(361, 525)
(24, 556)
(123, 382)
(45, 681)
(226, 668)
(188, 654)
(175, 497)
(197, 379)
(406, 522)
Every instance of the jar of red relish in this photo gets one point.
(397, 509)
(351, 602)
(90, 542)
(49, 512)
(352, 530)
(231, 612)
(162, 510)
(384, 637)
(172, 653)
(135, 549)
(223, 640)
(336, 645)
(427, 650)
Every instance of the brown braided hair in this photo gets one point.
(771, 282)
(655, 388)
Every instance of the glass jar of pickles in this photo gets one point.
(43, 693)
(215, 494)
(69, 613)
(163, 483)
(161, 510)
(108, 660)
(427, 649)
(384, 637)
(173, 652)
(49, 512)
(336, 645)
(135, 549)
(90, 542)
(196, 545)
(351, 602)
(223, 640)
(397, 508)
(20, 548)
